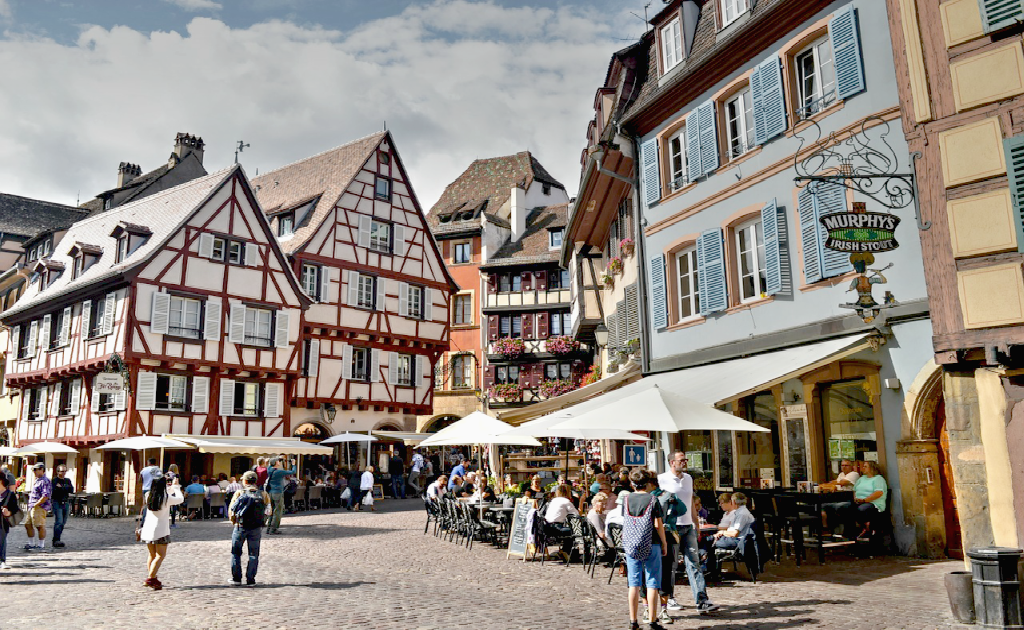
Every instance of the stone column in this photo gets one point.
(921, 492)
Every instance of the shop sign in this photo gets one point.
(108, 383)
(860, 232)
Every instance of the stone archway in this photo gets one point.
(439, 422)
(311, 432)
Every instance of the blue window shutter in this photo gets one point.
(713, 292)
(772, 247)
(708, 137)
(650, 178)
(997, 14)
(693, 167)
(829, 198)
(757, 96)
(773, 98)
(809, 236)
(1014, 148)
(659, 300)
(846, 52)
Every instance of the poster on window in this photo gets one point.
(695, 461)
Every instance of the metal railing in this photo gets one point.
(811, 108)
(253, 340)
(182, 331)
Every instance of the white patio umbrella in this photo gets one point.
(552, 426)
(346, 437)
(477, 428)
(142, 443)
(42, 448)
(6, 451)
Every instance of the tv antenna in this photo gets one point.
(644, 18)
(241, 147)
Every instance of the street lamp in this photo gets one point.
(331, 412)
(601, 335)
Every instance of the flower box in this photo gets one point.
(615, 265)
(551, 389)
(507, 392)
(626, 246)
(562, 345)
(509, 348)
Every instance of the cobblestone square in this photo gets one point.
(342, 569)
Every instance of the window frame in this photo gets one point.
(552, 233)
(465, 247)
(96, 318)
(462, 371)
(680, 181)
(64, 400)
(386, 181)
(375, 242)
(759, 273)
(406, 367)
(56, 323)
(744, 119)
(466, 298)
(693, 280)
(281, 218)
(741, 6)
(184, 383)
(367, 288)
(248, 335)
(182, 331)
(503, 374)
(417, 291)
(317, 270)
(122, 251)
(360, 360)
(36, 414)
(240, 401)
(823, 99)
(678, 50)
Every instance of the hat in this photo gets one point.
(39, 466)
(250, 478)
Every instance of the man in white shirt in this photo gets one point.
(414, 474)
(437, 489)
(847, 478)
(679, 483)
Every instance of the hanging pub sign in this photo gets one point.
(860, 232)
(108, 383)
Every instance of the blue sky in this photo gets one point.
(91, 83)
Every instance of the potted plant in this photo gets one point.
(593, 375)
(615, 265)
(563, 344)
(607, 279)
(507, 392)
(557, 387)
(509, 348)
(626, 246)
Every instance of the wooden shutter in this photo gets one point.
(998, 14)
(374, 365)
(313, 360)
(772, 247)
(26, 410)
(399, 240)
(693, 167)
(403, 299)
(201, 394)
(382, 293)
(632, 312)
(55, 403)
(527, 325)
(421, 367)
(227, 397)
(145, 396)
(542, 280)
(713, 294)
(488, 377)
(364, 230)
(76, 396)
(492, 327)
(842, 28)
(543, 325)
(611, 323)
(65, 327)
(392, 368)
(160, 317)
(659, 297)
(43, 410)
(650, 180)
(1014, 149)
(708, 137)
(829, 198)
(206, 245)
(236, 332)
(809, 236)
(527, 280)
(346, 362)
(428, 305)
(757, 105)
(120, 398)
(15, 338)
(94, 398)
(109, 309)
(212, 330)
(624, 331)
(282, 319)
(769, 100)
(353, 288)
(252, 254)
(272, 399)
(44, 333)
(33, 336)
(325, 285)
(86, 315)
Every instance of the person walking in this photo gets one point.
(365, 485)
(418, 464)
(275, 488)
(38, 506)
(62, 489)
(643, 540)
(397, 469)
(156, 526)
(8, 508)
(261, 471)
(249, 509)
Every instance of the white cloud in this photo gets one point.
(454, 80)
(196, 5)
(5, 10)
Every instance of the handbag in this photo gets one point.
(346, 494)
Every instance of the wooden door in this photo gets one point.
(954, 540)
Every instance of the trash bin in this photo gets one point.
(960, 588)
(996, 586)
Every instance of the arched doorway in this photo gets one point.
(313, 465)
(439, 423)
(311, 432)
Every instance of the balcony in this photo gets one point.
(536, 348)
(500, 397)
(515, 299)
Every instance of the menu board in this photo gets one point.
(796, 445)
(518, 535)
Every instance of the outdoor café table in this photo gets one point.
(806, 507)
(504, 517)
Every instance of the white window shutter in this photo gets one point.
(65, 326)
(145, 396)
(26, 394)
(364, 230)
(237, 333)
(109, 306)
(420, 370)
(375, 365)
(428, 305)
(313, 363)
(206, 245)
(200, 394)
(119, 401)
(15, 338)
(55, 403)
(44, 333)
(227, 397)
(346, 362)
(281, 321)
(399, 240)
(382, 293)
(33, 332)
(403, 299)
(76, 396)
(211, 319)
(392, 368)
(94, 398)
(272, 400)
(86, 314)
(43, 410)
(252, 254)
(325, 284)
(353, 288)
(160, 317)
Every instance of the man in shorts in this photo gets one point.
(38, 506)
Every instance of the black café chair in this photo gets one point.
(580, 537)
(794, 519)
(615, 534)
(431, 510)
(754, 553)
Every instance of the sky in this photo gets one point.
(88, 84)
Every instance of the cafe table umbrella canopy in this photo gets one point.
(43, 448)
(551, 426)
(349, 437)
(142, 443)
(477, 428)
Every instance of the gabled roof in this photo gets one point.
(533, 247)
(485, 186)
(31, 217)
(326, 175)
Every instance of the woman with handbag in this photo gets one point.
(156, 527)
(8, 513)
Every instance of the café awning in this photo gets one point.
(252, 445)
(408, 437)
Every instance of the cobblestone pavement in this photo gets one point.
(342, 569)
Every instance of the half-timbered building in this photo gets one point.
(352, 228)
(190, 289)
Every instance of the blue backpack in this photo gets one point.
(250, 510)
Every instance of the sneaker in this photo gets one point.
(673, 604)
(706, 607)
(29, 547)
(58, 544)
(633, 625)
(654, 625)
(235, 582)
(250, 582)
(4, 565)
(664, 617)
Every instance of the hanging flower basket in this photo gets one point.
(626, 246)
(509, 348)
(593, 375)
(607, 279)
(507, 392)
(550, 389)
(615, 265)
(562, 345)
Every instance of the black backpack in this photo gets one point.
(250, 510)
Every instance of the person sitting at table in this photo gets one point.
(232, 487)
(213, 487)
(469, 485)
(735, 534)
(437, 489)
(596, 515)
(725, 504)
(702, 512)
(598, 480)
(614, 516)
(846, 480)
(197, 488)
(222, 481)
(455, 486)
(558, 509)
(486, 494)
(869, 498)
(536, 490)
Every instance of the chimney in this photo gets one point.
(186, 143)
(126, 172)
(517, 215)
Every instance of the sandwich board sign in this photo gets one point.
(518, 536)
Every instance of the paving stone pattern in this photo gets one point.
(342, 569)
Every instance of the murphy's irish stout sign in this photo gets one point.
(860, 232)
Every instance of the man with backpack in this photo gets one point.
(641, 517)
(249, 509)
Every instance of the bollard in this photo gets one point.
(996, 586)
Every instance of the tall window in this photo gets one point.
(732, 9)
(311, 281)
(462, 371)
(555, 324)
(739, 123)
(361, 364)
(688, 283)
(463, 253)
(677, 159)
(64, 402)
(247, 399)
(504, 283)
(184, 317)
(506, 374)
(815, 78)
(517, 282)
(170, 392)
(364, 297)
(404, 372)
(286, 224)
(122, 247)
(555, 371)
(96, 318)
(35, 411)
(750, 260)
(56, 325)
(380, 236)
(415, 302)
(671, 44)
(257, 326)
(510, 326)
(236, 252)
(463, 305)
(558, 279)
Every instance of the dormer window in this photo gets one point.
(555, 238)
(129, 238)
(672, 44)
(732, 10)
(286, 224)
(47, 271)
(83, 256)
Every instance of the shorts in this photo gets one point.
(163, 540)
(651, 566)
(35, 517)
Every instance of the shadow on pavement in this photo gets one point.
(265, 585)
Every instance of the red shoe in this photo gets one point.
(156, 585)
(148, 582)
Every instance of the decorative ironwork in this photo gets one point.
(864, 161)
(116, 365)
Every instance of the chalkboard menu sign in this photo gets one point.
(518, 534)
(796, 441)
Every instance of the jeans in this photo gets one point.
(277, 498)
(397, 486)
(60, 518)
(251, 537)
(691, 557)
(3, 545)
(668, 567)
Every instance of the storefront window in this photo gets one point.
(758, 452)
(700, 458)
(849, 419)
(725, 476)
